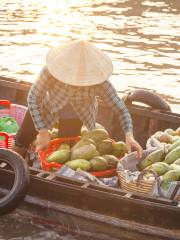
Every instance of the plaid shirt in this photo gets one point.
(48, 96)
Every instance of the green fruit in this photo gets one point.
(98, 164)
(85, 130)
(64, 146)
(59, 156)
(79, 163)
(119, 149)
(165, 185)
(173, 155)
(175, 138)
(104, 147)
(172, 175)
(160, 168)
(111, 160)
(174, 145)
(84, 152)
(177, 162)
(156, 156)
(165, 137)
(168, 177)
(174, 166)
(83, 142)
(157, 134)
(178, 131)
(170, 131)
(97, 135)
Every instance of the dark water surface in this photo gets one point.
(142, 37)
(15, 226)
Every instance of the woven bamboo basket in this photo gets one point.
(138, 184)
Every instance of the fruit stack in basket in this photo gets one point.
(159, 166)
(93, 151)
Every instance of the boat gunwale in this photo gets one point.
(86, 188)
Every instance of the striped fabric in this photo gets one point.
(48, 96)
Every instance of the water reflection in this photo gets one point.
(142, 38)
(16, 226)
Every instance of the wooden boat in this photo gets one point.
(89, 209)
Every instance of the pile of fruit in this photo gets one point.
(94, 151)
(165, 161)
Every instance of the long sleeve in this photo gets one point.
(109, 95)
(35, 98)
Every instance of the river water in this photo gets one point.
(142, 37)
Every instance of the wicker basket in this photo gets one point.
(140, 185)
(11, 110)
(126, 175)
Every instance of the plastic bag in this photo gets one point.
(8, 125)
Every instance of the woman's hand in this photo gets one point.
(132, 144)
(42, 139)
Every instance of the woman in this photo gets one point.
(74, 75)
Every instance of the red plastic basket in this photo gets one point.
(11, 110)
(7, 141)
(54, 144)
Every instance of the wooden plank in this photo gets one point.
(148, 112)
(91, 199)
(99, 223)
(134, 109)
(13, 83)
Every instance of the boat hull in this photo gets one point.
(89, 209)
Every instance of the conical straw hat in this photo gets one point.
(79, 63)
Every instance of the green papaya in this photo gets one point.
(177, 162)
(172, 175)
(165, 137)
(59, 156)
(156, 156)
(178, 131)
(85, 130)
(165, 185)
(173, 155)
(84, 152)
(98, 164)
(83, 142)
(64, 146)
(104, 147)
(157, 134)
(160, 168)
(175, 138)
(174, 166)
(79, 163)
(111, 160)
(174, 145)
(168, 177)
(170, 131)
(96, 134)
(119, 149)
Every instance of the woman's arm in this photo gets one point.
(109, 95)
(34, 99)
(111, 98)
